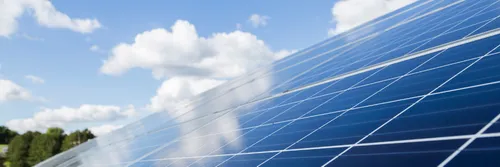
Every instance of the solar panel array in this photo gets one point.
(417, 87)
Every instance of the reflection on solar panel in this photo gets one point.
(417, 87)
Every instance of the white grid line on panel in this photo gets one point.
(435, 89)
(380, 81)
(401, 59)
(407, 45)
(282, 127)
(462, 147)
(359, 141)
(394, 81)
(393, 142)
(337, 37)
(491, 20)
(429, 13)
(372, 56)
(342, 113)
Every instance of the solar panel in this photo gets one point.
(417, 87)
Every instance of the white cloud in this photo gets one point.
(45, 14)
(104, 129)
(35, 79)
(11, 91)
(181, 52)
(65, 115)
(258, 20)
(348, 14)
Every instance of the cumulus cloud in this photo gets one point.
(258, 20)
(348, 14)
(181, 52)
(35, 79)
(65, 115)
(104, 129)
(11, 91)
(45, 14)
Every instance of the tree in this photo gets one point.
(31, 148)
(18, 149)
(71, 140)
(54, 131)
(41, 148)
(76, 138)
(87, 134)
(58, 135)
(6, 135)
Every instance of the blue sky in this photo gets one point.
(69, 57)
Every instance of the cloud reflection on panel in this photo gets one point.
(190, 65)
(205, 132)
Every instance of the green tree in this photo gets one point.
(87, 134)
(42, 147)
(18, 149)
(76, 138)
(71, 140)
(54, 131)
(6, 135)
(58, 135)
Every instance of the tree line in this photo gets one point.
(32, 147)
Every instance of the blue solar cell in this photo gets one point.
(482, 152)
(351, 126)
(303, 158)
(410, 154)
(455, 113)
(494, 128)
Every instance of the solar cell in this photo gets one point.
(417, 87)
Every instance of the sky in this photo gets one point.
(103, 64)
